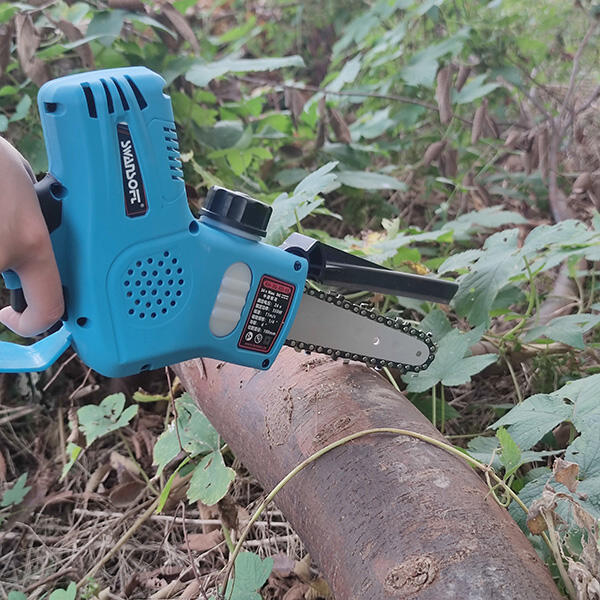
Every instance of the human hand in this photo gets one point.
(25, 248)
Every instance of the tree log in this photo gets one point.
(384, 516)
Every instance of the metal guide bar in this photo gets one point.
(401, 326)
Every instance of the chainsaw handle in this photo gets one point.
(49, 192)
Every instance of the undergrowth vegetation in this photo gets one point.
(451, 138)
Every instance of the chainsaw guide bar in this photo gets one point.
(386, 336)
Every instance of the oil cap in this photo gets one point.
(237, 210)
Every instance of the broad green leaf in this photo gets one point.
(529, 421)
(348, 74)
(510, 455)
(194, 431)
(475, 88)
(287, 177)
(487, 218)
(487, 451)
(6, 13)
(211, 479)
(106, 26)
(489, 274)
(460, 261)
(202, 74)
(250, 574)
(364, 180)
(585, 451)
(568, 329)
(3, 123)
(69, 594)
(98, 420)
(290, 210)
(16, 493)
(14, 595)
(437, 323)
(422, 67)
(371, 125)
(22, 109)
(451, 366)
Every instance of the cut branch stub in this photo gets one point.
(383, 516)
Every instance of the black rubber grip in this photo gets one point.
(49, 191)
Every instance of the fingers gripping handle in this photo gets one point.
(40, 355)
(49, 192)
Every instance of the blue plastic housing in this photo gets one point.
(140, 273)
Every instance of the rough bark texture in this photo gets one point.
(383, 516)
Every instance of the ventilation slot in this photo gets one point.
(121, 94)
(172, 146)
(89, 98)
(136, 92)
(109, 100)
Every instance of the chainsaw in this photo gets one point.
(146, 284)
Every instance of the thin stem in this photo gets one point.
(514, 379)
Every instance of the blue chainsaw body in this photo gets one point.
(141, 275)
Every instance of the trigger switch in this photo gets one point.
(237, 210)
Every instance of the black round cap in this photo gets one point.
(237, 210)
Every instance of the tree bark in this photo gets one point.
(384, 516)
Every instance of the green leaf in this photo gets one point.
(3, 123)
(16, 493)
(474, 89)
(437, 323)
(105, 26)
(14, 595)
(69, 594)
(510, 455)
(250, 574)
(568, 329)
(202, 74)
(22, 109)
(422, 67)
(364, 180)
(73, 451)
(6, 13)
(450, 366)
(96, 421)
(489, 274)
(372, 124)
(585, 451)
(529, 421)
(460, 261)
(487, 218)
(290, 210)
(194, 430)
(348, 74)
(211, 480)
(486, 451)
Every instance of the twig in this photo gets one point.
(584, 42)
(17, 414)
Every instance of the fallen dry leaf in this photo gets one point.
(6, 34)
(125, 494)
(297, 591)
(201, 542)
(295, 100)
(566, 472)
(339, 126)
(181, 25)
(2, 467)
(28, 41)
(442, 94)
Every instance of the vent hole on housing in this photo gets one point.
(89, 98)
(50, 107)
(83, 321)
